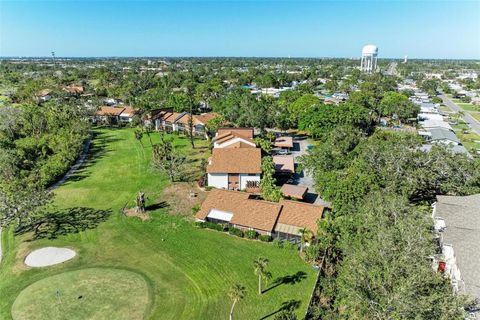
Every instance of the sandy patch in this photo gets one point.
(48, 256)
(182, 197)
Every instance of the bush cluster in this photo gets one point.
(251, 234)
(236, 232)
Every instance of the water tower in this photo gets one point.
(369, 58)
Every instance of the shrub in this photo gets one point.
(199, 224)
(289, 245)
(278, 243)
(214, 226)
(265, 238)
(236, 232)
(195, 208)
(251, 234)
(208, 188)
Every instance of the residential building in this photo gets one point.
(294, 191)
(283, 220)
(457, 222)
(179, 121)
(105, 114)
(235, 168)
(44, 95)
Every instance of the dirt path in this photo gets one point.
(73, 168)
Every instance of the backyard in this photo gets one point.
(176, 271)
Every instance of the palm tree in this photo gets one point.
(260, 269)
(305, 236)
(237, 292)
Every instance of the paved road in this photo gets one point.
(474, 124)
(305, 178)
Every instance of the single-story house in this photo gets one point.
(282, 220)
(105, 113)
(429, 116)
(233, 139)
(294, 191)
(430, 124)
(235, 168)
(237, 210)
(457, 222)
(284, 142)
(441, 135)
(284, 164)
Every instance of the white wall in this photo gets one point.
(218, 180)
(245, 177)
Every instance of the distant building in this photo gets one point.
(369, 58)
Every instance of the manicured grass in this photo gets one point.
(93, 293)
(188, 270)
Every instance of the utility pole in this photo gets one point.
(53, 56)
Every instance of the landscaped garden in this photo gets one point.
(161, 268)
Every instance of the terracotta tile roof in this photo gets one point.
(229, 135)
(235, 160)
(300, 214)
(294, 191)
(283, 142)
(109, 111)
(44, 92)
(284, 164)
(155, 114)
(129, 111)
(74, 89)
(244, 132)
(257, 214)
(204, 118)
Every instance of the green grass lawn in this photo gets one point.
(188, 270)
(93, 293)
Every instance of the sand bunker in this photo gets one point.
(48, 256)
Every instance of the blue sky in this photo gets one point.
(419, 29)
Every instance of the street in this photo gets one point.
(474, 124)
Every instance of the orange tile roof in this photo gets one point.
(44, 92)
(284, 164)
(283, 142)
(300, 214)
(235, 160)
(229, 135)
(244, 132)
(204, 118)
(129, 111)
(74, 89)
(294, 191)
(109, 111)
(257, 214)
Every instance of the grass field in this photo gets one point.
(94, 293)
(188, 270)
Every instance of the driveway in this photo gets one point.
(474, 124)
(304, 178)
